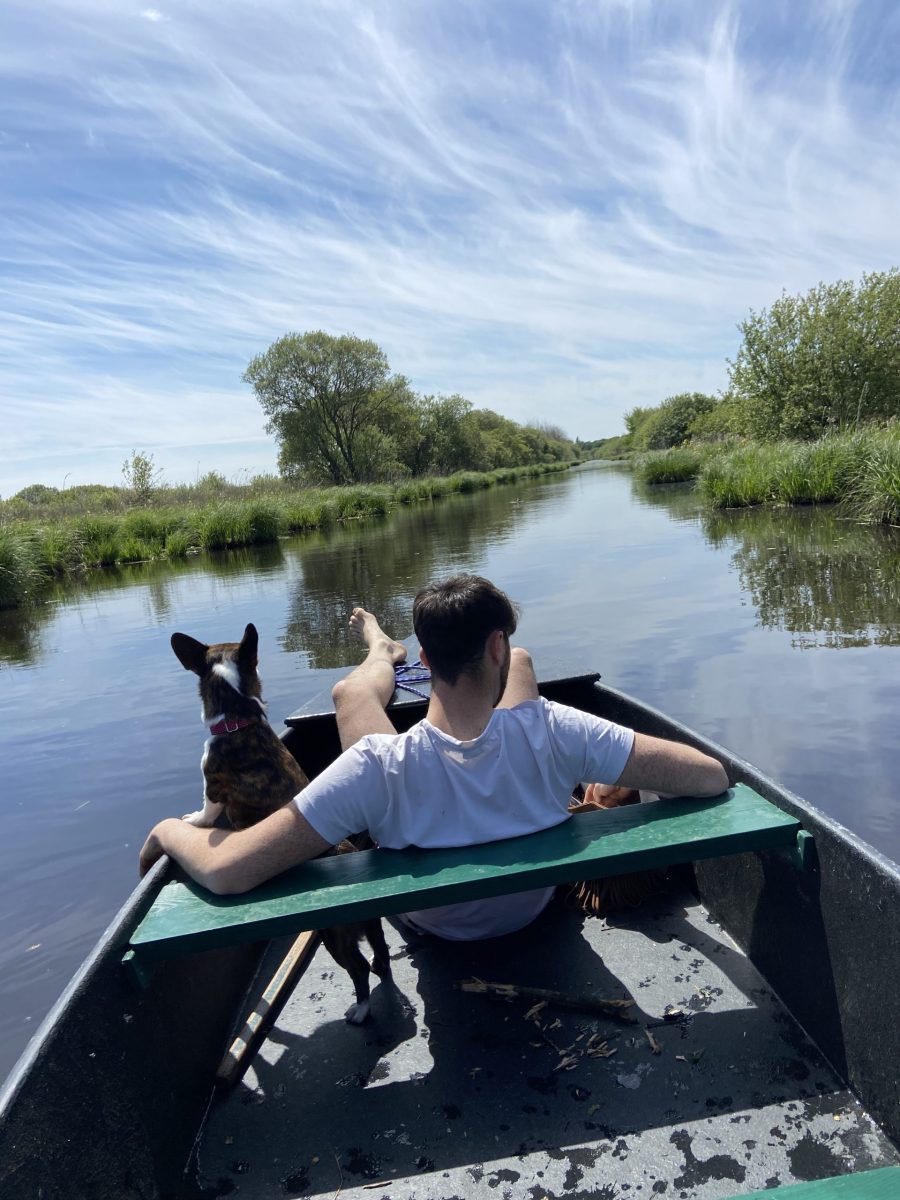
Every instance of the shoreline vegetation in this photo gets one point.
(811, 414)
(70, 532)
(858, 470)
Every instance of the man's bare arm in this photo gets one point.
(672, 769)
(229, 861)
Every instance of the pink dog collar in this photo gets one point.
(230, 726)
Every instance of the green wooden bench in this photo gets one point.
(880, 1184)
(186, 918)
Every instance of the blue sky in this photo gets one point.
(559, 208)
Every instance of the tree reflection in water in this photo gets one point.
(811, 572)
(382, 566)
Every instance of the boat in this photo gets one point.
(761, 1050)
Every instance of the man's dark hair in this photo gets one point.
(453, 619)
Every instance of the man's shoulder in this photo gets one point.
(383, 745)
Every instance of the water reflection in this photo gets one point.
(20, 635)
(808, 571)
(382, 566)
(678, 499)
(821, 578)
(20, 629)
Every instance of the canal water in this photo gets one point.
(776, 634)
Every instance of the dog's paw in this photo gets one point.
(198, 818)
(357, 1013)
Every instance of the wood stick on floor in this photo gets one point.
(617, 1009)
(242, 1051)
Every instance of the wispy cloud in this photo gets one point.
(556, 209)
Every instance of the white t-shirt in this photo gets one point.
(425, 788)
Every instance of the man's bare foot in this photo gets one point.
(364, 625)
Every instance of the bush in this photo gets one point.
(36, 494)
(141, 475)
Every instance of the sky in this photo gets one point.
(558, 208)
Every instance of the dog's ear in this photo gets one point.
(189, 652)
(247, 654)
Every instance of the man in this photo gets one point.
(490, 760)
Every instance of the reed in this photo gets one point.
(224, 525)
(738, 479)
(142, 534)
(20, 573)
(678, 465)
(842, 467)
(266, 522)
(308, 510)
(820, 472)
(178, 544)
(352, 503)
(415, 491)
(468, 481)
(100, 539)
(874, 495)
(58, 548)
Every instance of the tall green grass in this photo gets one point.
(874, 495)
(670, 466)
(860, 469)
(352, 503)
(820, 472)
(469, 481)
(20, 573)
(308, 510)
(788, 472)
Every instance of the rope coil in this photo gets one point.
(406, 674)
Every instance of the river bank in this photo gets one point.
(859, 469)
(38, 550)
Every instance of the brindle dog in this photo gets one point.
(249, 774)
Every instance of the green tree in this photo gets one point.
(724, 420)
(142, 476)
(636, 417)
(443, 438)
(669, 424)
(823, 360)
(325, 397)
